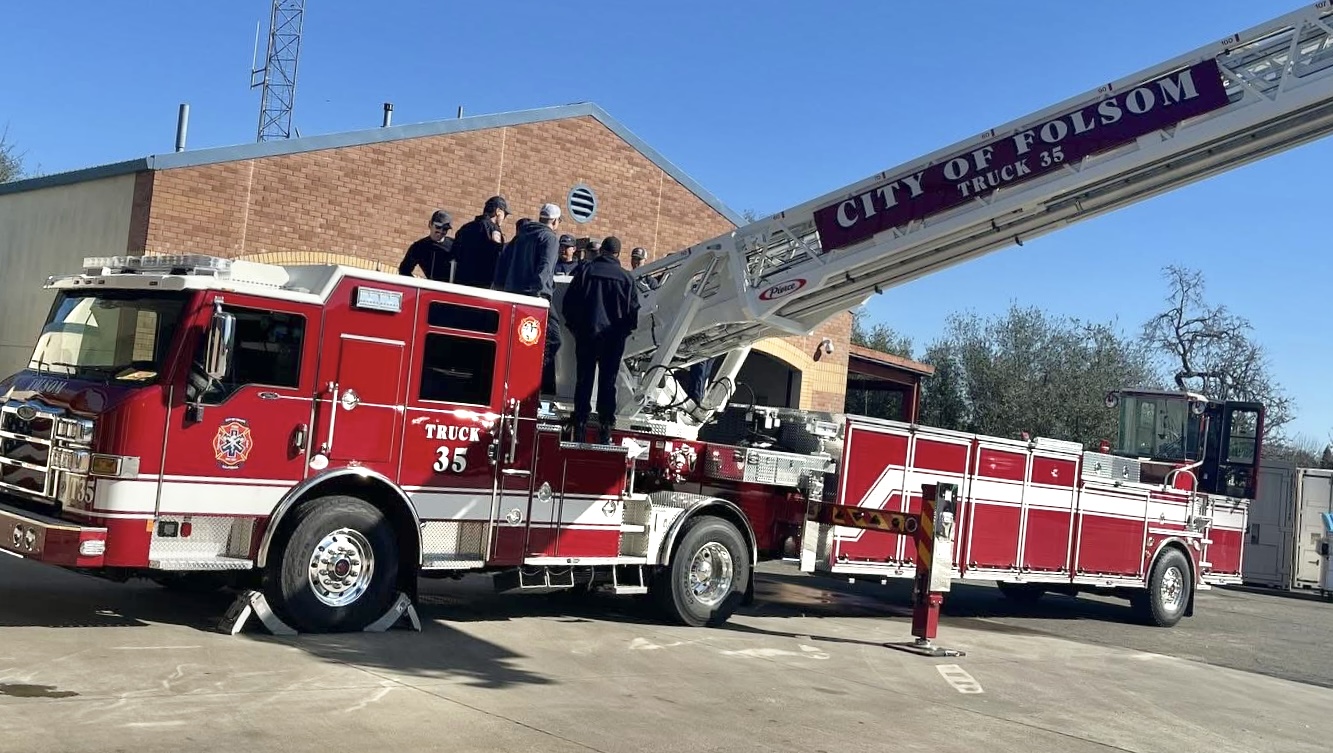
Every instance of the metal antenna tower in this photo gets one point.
(278, 76)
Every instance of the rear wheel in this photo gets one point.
(1169, 590)
(708, 574)
(337, 569)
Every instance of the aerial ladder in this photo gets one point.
(1228, 103)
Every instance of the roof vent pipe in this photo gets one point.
(182, 124)
(388, 114)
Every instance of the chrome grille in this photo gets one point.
(32, 436)
(41, 425)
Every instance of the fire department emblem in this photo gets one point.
(529, 330)
(232, 444)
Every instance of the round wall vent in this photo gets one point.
(582, 203)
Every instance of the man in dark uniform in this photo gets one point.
(602, 309)
(434, 253)
(567, 263)
(527, 267)
(477, 245)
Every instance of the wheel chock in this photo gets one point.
(252, 603)
(248, 603)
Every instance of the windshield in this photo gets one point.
(1158, 426)
(110, 335)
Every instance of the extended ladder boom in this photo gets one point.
(1226, 104)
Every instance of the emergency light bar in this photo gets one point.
(198, 264)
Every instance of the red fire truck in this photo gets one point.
(325, 435)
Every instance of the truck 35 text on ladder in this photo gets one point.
(325, 435)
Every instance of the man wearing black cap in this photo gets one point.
(566, 264)
(601, 308)
(434, 253)
(477, 245)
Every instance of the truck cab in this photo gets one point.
(323, 435)
(1190, 441)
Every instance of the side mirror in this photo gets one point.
(221, 337)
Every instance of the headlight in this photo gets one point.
(75, 430)
(65, 459)
(105, 465)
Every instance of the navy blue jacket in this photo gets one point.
(475, 253)
(432, 257)
(527, 264)
(601, 300)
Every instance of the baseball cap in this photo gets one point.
(568, 240)
(442, 217)
(550, 211)
(594, 243)
(496, 202)
(639, 252)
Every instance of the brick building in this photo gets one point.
(361, 198)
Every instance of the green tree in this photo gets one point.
(879, 336)
(1029, 371)
(876, 403)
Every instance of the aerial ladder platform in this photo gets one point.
(1228, 103)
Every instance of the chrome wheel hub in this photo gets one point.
(1173, 588)
(341, 567)
(711, 572)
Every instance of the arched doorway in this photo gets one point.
(767, 380)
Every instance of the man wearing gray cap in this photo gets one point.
(527, 266)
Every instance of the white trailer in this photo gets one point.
(1286, 526)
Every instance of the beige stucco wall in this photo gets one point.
(48, 231)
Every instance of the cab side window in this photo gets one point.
(267, 353)
(458, 354)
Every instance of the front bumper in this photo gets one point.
(49, 540)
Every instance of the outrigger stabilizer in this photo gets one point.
(932, 530)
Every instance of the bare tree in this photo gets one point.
(1303, 450)
(11, 163)
(1211, 350)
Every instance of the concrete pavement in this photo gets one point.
(92, 666)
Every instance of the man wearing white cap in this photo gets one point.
(527, 266)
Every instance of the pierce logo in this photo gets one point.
(782, 289)
(529, 330)
(232, 443)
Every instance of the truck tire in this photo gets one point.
(707, 576)
(1169, 590)
(336, 571)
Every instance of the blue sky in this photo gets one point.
(767, 103)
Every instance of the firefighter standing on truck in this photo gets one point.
(527, 267)
(477, 245)
(434, 253)
(601, 308)
(567, 263)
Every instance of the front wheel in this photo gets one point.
(337, 570)
(1169, 590)
(708, 574)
